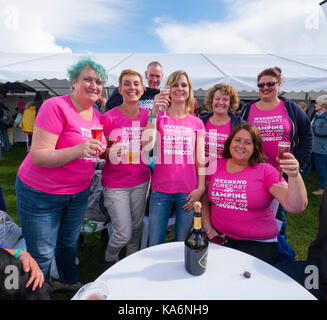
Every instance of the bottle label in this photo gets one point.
(203, 260)
(197, 223)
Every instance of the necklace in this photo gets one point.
(177, 112)
(270, 105)
(219, 122)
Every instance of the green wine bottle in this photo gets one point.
(196, 245)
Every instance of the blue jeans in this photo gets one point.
(161, 205)
(4, 138)
(51, 225)
(320, 162)
(307, 169)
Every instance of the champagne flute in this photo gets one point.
(165, 90)
(97, 134)
(283, 147)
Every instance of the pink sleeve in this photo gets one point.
(201, 130)
(106, 124)
(110, 128)
(50, 117)
(271, 175)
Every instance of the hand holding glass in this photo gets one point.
(97, 134)
(283, 147)
(165, 90)
(133, 153)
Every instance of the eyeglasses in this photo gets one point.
(268, 84)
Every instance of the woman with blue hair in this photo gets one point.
(53, 182)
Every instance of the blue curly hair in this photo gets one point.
(74, 71)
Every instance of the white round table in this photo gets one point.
(158, 273)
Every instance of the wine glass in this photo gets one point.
(165, 90)
(283, 147)
(133, 152)
(97, 134)
(97, 290)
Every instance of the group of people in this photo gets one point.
(6, 122)
(227, 162)
(24, 118)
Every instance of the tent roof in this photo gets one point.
(300, 73)
(16, 87)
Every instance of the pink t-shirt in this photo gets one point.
(214, 143)
(122, 172)
(175, 170)
(274, 126)
(241, 202)
(59, 117)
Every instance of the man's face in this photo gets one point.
(154, 76)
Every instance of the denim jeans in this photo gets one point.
(307, 169)
(4, 138)
(51, 225)
(161, 205)
(320, 162)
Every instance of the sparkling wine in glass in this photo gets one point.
(283, 147)
(133, 153)
(97, 134)
(165, 90)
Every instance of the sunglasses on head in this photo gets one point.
(268, 84)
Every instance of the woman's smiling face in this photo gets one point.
(88, 86)
(220, 103)
(241, 147)
(269, 93)
(180, 90)
(131, 88)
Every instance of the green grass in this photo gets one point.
(301, 228)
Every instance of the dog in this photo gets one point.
(15, 289)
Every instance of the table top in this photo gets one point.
(158, 273)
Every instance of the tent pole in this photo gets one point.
(43, 84)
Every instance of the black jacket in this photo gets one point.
(302, 135)
(234, 118)
(318, 247)
(146, 100)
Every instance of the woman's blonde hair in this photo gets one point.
(173, 78)
(225, 89)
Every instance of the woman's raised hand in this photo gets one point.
(290, 165)
(161, 102)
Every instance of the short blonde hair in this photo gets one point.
(129, 72)
(173, 78)
(322, 101)
(225, 89)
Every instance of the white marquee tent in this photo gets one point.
(306, 74)
(304, 77)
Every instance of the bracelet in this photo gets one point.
(17, 252)
(153, 120)
(152, 116)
